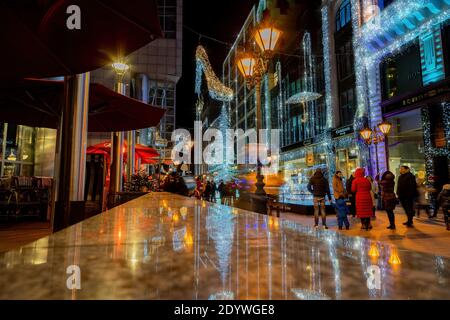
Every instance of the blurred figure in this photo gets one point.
(222, 192)
(389, 198)
(407, 192)
(444, 202)
(320, 188)
(351, 195)
(207, 191)
(362, 189)
(374, 194)
(213, 191)
(422, 201)
(198, 189)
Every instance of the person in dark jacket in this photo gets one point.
(342, 211)
(222, 192)
(388, 195)
(351, 195)
(444, 202)
(407, 192)
(213, 191)
(207, 191)
(319, 187)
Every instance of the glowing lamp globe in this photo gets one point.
(385, 127)
(246, 64)
(366, 134)
(120, 68)
(267, 37)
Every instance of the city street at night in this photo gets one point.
(214, 160)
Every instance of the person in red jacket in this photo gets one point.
(362, 187)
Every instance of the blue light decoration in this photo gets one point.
(432, 56)
(217, 90)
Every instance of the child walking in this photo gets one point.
(342, 211)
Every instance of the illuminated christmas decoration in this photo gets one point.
(303, 97)
(217, 90)
(327, 66)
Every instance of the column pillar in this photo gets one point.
(71, 153)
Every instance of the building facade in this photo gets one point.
(405, 50)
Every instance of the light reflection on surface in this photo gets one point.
(197, 250)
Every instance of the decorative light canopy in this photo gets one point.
(303, 97)
(217, 90)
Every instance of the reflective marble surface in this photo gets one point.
(164, 246)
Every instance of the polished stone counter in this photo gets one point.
(164, 246)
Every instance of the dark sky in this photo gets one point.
(221, 20)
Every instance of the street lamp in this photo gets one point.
(375, 137)
(253, 66)
(161, 144)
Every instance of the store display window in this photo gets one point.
(17, 145)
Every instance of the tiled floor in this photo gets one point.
(428, 236)
(164, 246)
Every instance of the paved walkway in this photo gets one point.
(164, 246)
(428, 236)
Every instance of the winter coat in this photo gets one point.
(444, 199)
(406, 186)
(341, 208)
(319, 186)
(338, 187)
(388, 191)
(349, 185)
(362, 188)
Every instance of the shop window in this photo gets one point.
(344, 55)
(167, 11)
(401, 73)
(438, 138)
(406, 143)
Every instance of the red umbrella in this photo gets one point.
(38, 43)
(38, 103)
(142, 152)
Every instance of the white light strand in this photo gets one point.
(327, 66)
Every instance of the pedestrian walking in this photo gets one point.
(319, 187)
(338, 186)
(444, 202)
(374, 194)
(351, 195)
(422, 202)
(362, 188)
(222, 192)
(198, 188)
(207, 191)
(342, 213)
(213, 191)
(407, 192)
(389, 197)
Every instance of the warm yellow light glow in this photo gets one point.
(394, 259)
(246, 64)
(183, 211)
(267, 37)
(188, 239)
(176, 218)
(374, 252)
(385, 128)
(120, 68)
(366, 134)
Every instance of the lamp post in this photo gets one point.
(376, 136)
(120, 68)
(253, 66)
(161, 144)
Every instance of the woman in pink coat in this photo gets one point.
(362, 188)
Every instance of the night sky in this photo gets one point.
(221, 20)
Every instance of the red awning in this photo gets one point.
(37, 43)
(37, 103)
(142, 152)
